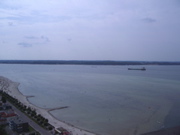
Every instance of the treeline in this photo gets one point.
(38, 118)
(81, 62)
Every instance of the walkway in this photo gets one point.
(38, 128)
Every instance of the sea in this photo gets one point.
(106, 100)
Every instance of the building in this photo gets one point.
(62, 131)
(18, 125)
(4, 115)
(7, 113)
(3, 121)
(5, 107)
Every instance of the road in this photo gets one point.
(38, 128)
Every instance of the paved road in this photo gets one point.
(38, 128)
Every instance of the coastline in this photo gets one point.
(11, 88)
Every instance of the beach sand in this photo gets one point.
(11, 88)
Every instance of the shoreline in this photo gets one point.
(11, 88)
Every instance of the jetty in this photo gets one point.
(57, 108)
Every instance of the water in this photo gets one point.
(104, 99)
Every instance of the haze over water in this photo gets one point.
(103, 99)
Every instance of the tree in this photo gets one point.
(28, 112)
(2, 130)
(3, 99)
(38, 119)
(46, 120)
(45, 124)
(50, 128)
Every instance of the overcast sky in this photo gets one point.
(90, 30)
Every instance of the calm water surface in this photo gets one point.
(104, 99)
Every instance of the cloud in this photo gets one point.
(45, 39)
(30, 41)
(24, 44)
(11, 5)
(31, 37)
(10, 23)
(37, 40)
(69, 39)
(148, 20)
(31, 16)
(3, 42)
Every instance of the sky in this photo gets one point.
(138, 30)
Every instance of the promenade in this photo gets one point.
(38, 128)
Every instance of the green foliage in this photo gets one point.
(50, 128)
(2, 130)
(46, 120)
(45, 124)
(39, 119)
(3, 99)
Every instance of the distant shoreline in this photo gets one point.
(89, 62)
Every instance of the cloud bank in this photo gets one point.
(90, 30)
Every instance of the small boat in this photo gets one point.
(143, 69)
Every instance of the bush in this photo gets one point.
(50, 128)
(3, 99)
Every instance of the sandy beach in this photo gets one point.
(11, 88)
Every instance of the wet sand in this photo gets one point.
(11, 88)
